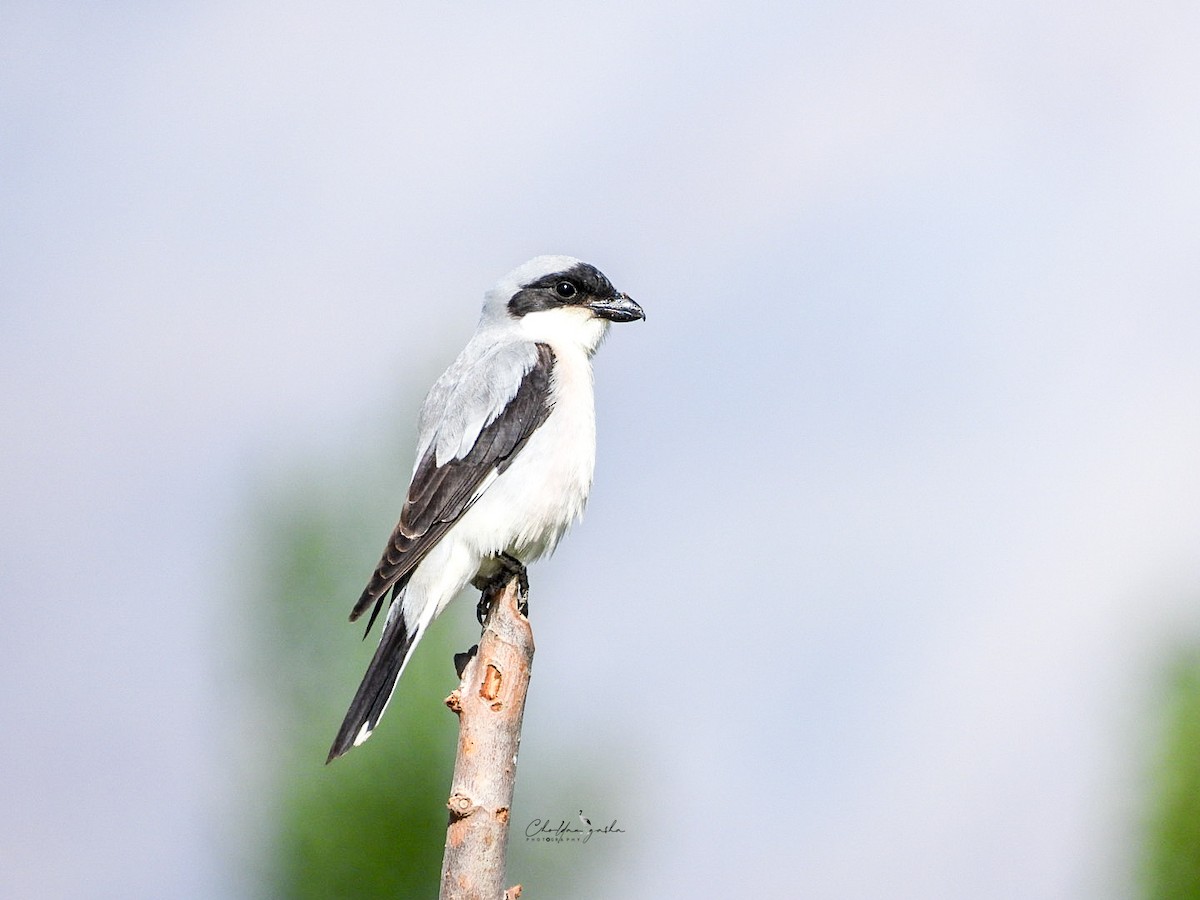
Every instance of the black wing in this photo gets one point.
(439, 495)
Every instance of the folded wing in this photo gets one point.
(440, 494)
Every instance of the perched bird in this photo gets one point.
(584, 819)
(505, 451)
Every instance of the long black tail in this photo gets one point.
(366, 709)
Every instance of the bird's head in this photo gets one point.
(558, 299)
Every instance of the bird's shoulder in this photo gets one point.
(477, 388)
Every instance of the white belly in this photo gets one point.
(530, 506)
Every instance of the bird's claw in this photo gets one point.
(484, 606)
(510, 568)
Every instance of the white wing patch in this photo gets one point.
(485, 484)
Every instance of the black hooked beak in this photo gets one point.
(617, 308)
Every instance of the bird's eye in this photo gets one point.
(565, 289)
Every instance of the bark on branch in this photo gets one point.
(490, 703)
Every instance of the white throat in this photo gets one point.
(568, 326)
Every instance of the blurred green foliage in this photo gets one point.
(372, 823)
(1172, 862)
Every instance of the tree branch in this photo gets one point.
(490, 703)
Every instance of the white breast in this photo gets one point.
(530, 506)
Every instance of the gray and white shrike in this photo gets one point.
(506, 447)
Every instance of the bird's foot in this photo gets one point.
(509, 568)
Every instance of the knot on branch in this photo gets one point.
(460, 806)
(454, 702)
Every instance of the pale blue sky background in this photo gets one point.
(906, 454)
